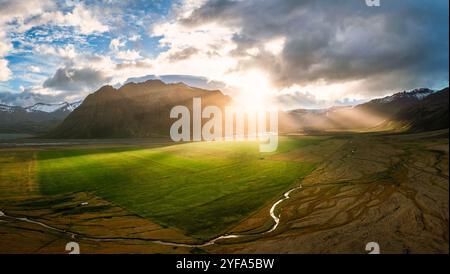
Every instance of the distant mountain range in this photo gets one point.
(142, 110)
(36, 119)
(403, 110)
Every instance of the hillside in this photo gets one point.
(421, 109)
(133, 110)
(142, 110)
(428, 114)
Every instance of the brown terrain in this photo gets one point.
(389, 189)
(392, 190)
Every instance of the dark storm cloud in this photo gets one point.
(71, 79)
(401, 44)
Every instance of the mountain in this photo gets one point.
(431, 113)
(390, 105)
(142, 110)
(36, 119)
(377, 113)
(133, 110)
(49, 108)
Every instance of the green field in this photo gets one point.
(200, 188)
(361, 186)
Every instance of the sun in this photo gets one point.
(254, 91)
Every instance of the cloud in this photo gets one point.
(34, 69)
(20, 16)
(400, 45)
(5, 47)
(20, 10)
(73, 79)
(5, 44)
(128, 55)
(135, 38)
(298, 99)
(81, 17)
(140, 64)
(116, 44)
(31, 96)
(307, 52)
(5, 72)
(183, 54)
(212, 45)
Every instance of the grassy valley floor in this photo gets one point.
(116, 198)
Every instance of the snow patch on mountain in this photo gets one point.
(53, 107)
(43, 107)
(6, 108)
(417, 94)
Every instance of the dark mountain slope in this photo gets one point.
(417, 108)
(390, 105)
(134, 110)
(428, 114)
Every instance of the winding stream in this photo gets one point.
(74, 235)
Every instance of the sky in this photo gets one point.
(292, 53)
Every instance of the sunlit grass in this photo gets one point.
(201, 188)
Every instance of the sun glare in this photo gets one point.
(255, 91)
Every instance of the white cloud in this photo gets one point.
(80, 17)
(37, 90)
(213, 44)
(5, 72)
(19, 16)
(34, 69)
(5, 44)
(135, 38)
(128, 55)
(185, 8)
(5, 47)
(66, 52)
(116, 44)
(21, 10)
(253, 51)
(275, 46)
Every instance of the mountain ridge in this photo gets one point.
(377, 114)
(431, 113)
(35, 119)
(133, 110)
(142, 110)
